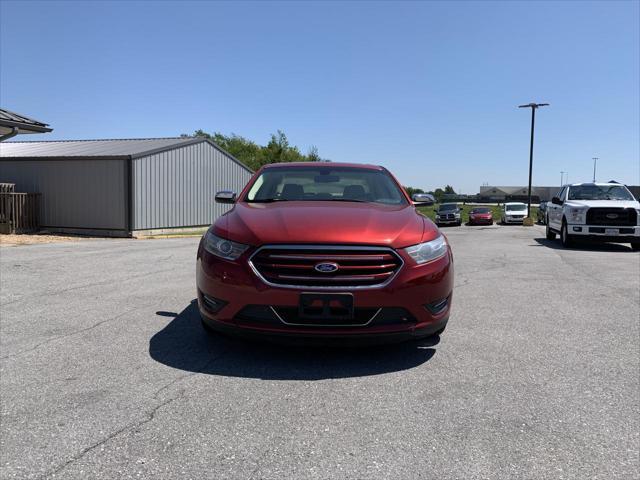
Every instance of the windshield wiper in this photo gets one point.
(347, 200)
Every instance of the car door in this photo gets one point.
(555, 211)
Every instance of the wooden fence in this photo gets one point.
(7, 187)
(19, 212)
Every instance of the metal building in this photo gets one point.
(121, 187)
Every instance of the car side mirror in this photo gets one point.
(556, 201)
(225, 196)
(423, 199)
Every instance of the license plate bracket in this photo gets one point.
(325, 306)
(611, 231)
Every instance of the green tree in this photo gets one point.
(411, 190)
(253, 155)
(313, 155)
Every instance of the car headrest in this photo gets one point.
(292, 191)
(354, 191)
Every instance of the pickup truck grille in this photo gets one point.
(615, 217)
(296, 265)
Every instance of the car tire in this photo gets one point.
(459, 223)
(550, 234)
(565, 238)
(635, 246)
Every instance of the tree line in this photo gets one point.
(255, 156)
(438, 193)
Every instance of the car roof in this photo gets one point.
(324, 165)
(583, 184)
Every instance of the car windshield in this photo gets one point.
(447, 207)
(599, 192)
(516, 208)
(325, 183)
(480, 210)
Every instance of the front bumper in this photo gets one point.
(481, 221)
(447, 221)
(253, 307)
(513, 220)
(603, 233)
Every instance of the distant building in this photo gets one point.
(501, 193)
(542, 194)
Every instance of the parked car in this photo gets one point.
(513, 212)
(542, 213)
(448, 214)
(605, 212)
(480, 216)
(324, 251)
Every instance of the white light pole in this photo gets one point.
(595, 161)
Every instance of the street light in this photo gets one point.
(595, 160)
(533, 107)
(561, 178)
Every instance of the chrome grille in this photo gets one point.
(294, 266)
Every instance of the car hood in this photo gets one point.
(325, 222)
(603, 203)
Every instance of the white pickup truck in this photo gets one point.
(605, 212)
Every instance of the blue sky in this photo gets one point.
(427, 89)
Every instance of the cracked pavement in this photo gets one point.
(106, 373)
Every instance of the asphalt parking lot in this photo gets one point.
(106, 373)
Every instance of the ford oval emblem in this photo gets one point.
(612, 215)
(326, 267)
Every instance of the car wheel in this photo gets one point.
(550, 235)
(459, 223)
(565, 238)
(635, 246)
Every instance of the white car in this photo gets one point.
(514, 212)
(605, 212)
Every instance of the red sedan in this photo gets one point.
(480, 216)
(324, 250)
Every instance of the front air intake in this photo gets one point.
(325, 266)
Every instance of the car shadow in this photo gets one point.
(584, 245)
(184, 344)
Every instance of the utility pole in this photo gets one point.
(533, 107)
(561, 178)
(595, 160)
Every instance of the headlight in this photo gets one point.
(428, 251)
(577, 215)
(223, 248)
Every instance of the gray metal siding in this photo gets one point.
(176, 188)
(78, 194)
